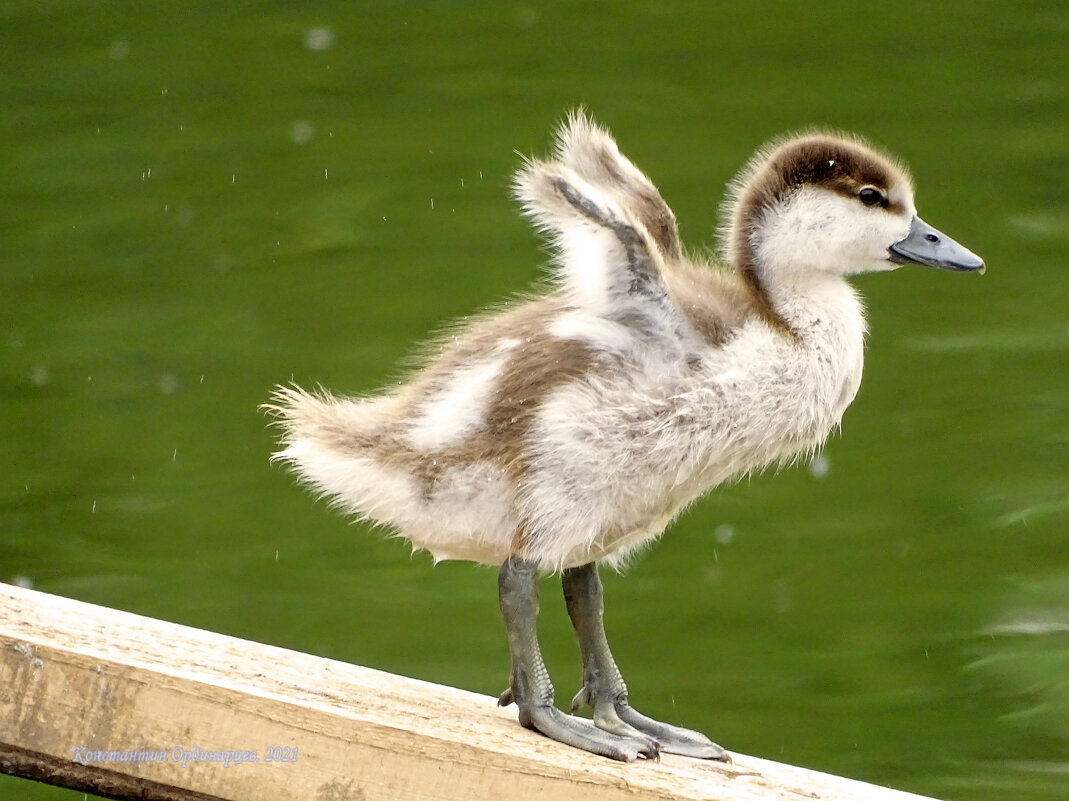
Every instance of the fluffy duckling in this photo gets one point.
(569, 429)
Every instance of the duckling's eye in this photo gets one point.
(871, 196)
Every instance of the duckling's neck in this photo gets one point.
(794, 301)
(798, 298)
(764, 302)
(823, 347)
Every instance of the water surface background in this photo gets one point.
(199, 200)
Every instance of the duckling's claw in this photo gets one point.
(580, 699)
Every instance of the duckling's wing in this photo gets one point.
(607, 262)
(592, 154)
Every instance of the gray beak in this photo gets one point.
(925, 245)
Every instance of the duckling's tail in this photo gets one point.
(304, 416)
(352, 452)
(337, 446)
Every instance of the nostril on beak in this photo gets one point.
(932, 238)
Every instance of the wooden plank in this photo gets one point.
(130, 707)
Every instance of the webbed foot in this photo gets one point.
(619, 717)
(603, 686)
(530, 688)
(578, 733)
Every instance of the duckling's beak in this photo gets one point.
(925, 245)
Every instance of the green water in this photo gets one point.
(199, 200)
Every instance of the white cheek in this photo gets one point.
(874, 232)
(823, 231)
(893, 228)
(799, 234)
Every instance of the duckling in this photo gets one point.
(568, 429)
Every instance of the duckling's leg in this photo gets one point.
(603, 686)
(530, 686)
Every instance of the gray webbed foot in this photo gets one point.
(530, 687)
(603, 686)
(556, 725)
(620, 717)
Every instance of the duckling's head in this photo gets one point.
(828, 203)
